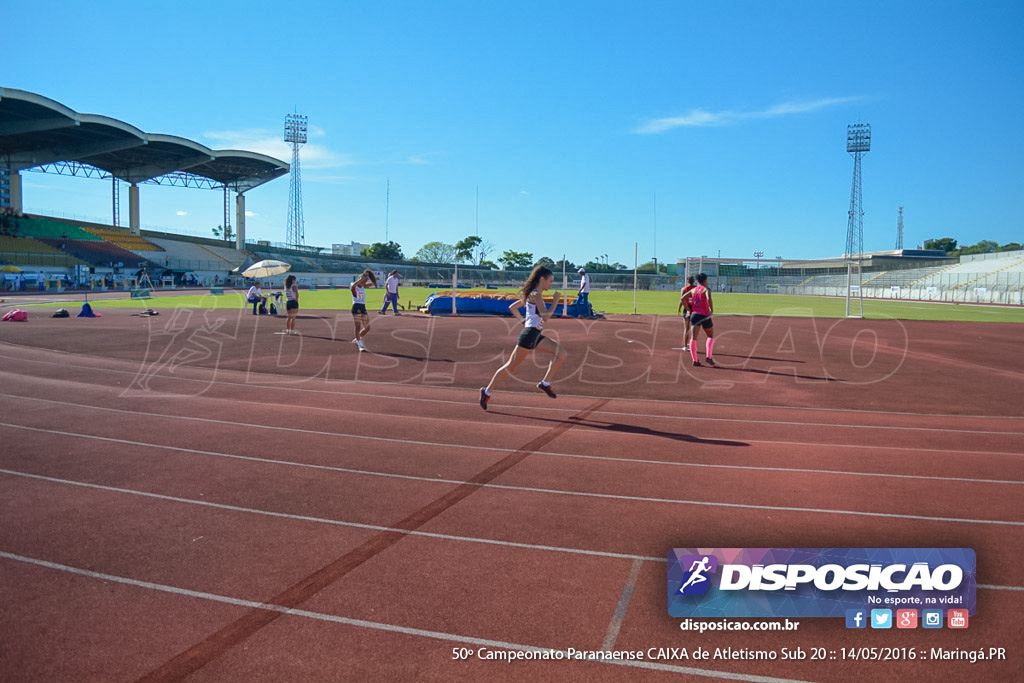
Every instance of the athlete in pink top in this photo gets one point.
(701, 307)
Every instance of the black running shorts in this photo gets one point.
(530, 337)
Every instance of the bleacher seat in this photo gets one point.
(97, 252)
(36, 226)
(124, 239)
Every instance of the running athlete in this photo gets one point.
(701, 307)
(532, 297)
(359, 315)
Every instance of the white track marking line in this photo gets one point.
(615, 625)
(555, 492)
(275, 385)
(375, 527)
(379, 626)
(600, 458)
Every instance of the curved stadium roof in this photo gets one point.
(35, 130)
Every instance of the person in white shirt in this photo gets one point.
(255, 297)
(583, 308)
(391, 293)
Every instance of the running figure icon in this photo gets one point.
(697, 571)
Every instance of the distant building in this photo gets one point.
(353, 249)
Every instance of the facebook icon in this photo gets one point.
(856, 618)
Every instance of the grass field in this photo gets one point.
(646, 302)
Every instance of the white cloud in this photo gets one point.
(699, 118)
(181, 213)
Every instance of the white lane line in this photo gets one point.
(685, 418)
(378, 527)
(600, 458)
(334, 522)
(615, 625)
(534, 489)
(378, 626)
(274, 384)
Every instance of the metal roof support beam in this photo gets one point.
(240, 221)
(35, 126)
(80, 153)
(15, 187)
(133, 210)
(138, 174)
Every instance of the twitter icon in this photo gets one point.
(881, 618)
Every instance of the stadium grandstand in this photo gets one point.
(919, 275)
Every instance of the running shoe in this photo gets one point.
(547, 390)
(711, 362)
(359, 343)
(696, 363)
(686, 348)
(484, 398)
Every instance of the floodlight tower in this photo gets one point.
(858, 141)
(295, 134)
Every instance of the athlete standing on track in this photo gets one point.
(359, 315)
(532, 297)
(684, 306)
(291, 295)
(698, 300)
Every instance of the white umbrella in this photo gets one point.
(266, 269)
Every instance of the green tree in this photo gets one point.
(516, 259)
(436, 252)
(982, 247)
(649, 267)
(391, 251)
(946, 244)
(226, 235)
(464, 248)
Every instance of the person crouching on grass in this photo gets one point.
(701, 307)
(359, 315)
(532, 297)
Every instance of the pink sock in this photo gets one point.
(693, 351)
(709, 347)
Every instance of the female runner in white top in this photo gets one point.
(532, 297)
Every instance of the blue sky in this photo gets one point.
(690, 128)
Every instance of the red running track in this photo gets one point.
(193, 497)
